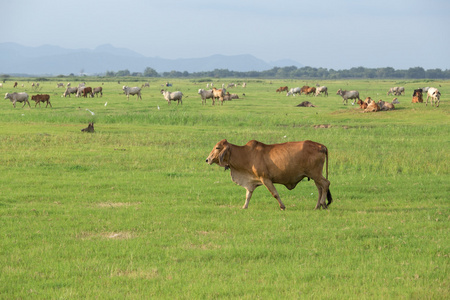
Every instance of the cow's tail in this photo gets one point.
(329, 197)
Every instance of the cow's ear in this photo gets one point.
(224, 155)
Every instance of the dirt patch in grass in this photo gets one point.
(117, 204)
(146, 274)
(322, 126)
(117, 235)
(123, 235)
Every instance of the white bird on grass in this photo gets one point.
(90, 111)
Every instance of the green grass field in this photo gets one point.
(133, 210)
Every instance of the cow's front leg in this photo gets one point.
(269, 185)
(248, 195)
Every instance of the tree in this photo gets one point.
(149, 72)
(123, 73)
(417, 72)
(435, 74)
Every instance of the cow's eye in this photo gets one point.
(217, 148)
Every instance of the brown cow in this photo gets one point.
(87, 91)
(367, 100)
(15, 84)
(311, 90)
(282, 88)
(217, 94)
(372, 107)
(362, 105)
(306, 104)
(304, 89)
(90, 128)
(385, 105)
(256, 164)
(417, 96)
(41, 98)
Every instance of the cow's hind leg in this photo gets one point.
(319, 200)
(269, 185)
(324, 194)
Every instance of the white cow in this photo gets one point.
(70, 90)
(132, 91)
(173, 96)
(18, 97)
(205, 94)
(321, 89)
(80, 91)
(435, 96)
(294, 91)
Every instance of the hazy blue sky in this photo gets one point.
(321, 33)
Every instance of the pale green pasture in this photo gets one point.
(134, 211)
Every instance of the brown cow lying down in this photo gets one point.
(372, 107)
(41, 98)
(385, 105)
(90, 128)
(256, 164)
(368, 100)
(306, 104)
(362, 105)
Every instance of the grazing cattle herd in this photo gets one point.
(254, 164)
(213, 93)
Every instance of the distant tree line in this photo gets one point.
(299, 73)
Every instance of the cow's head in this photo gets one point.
(437, 94)
(220, 154)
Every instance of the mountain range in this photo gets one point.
(53, 60)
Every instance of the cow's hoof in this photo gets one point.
(283, 208)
